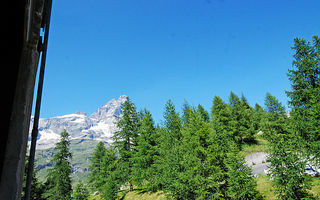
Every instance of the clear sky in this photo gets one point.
(155, 50)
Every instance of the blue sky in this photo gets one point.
(155, 50)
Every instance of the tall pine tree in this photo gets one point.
(199, 175)
(112, 175)
(258, 115)
(305, 94)
(168, 163)
(146, 151)
(222, 119)
(58, 184)
(241, 183)
(287, 161)
(94, 179)
(125, 139)
(242, 119)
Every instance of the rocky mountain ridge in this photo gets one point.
(99, 126)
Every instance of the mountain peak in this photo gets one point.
(123, 97)
(108, 110)
(99, 126)
(80, 113)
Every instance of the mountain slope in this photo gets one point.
(85, 132)
(98, 126)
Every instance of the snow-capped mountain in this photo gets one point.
(98, 126)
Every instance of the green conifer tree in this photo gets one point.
(242, 119)
(94, 179)
(112, 174)
(168, 162)
(146, 151)
(305, 94)
(258, 116)
(287, 161)
(199, 175)
(241, 183)
(222, 119)
(224, 149)
(58, 184)
(246, 123)
(204, 114)
(234, 103)
(125, 139)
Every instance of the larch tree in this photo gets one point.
(94, 179)
(168, 162)
(258, 115)
(146, 150)
(241, 182)
(242, 119)
(305, 94)
(125, 139)
(112, 175)
(287, 160)
(58, 184)
(246, 124)
(221, 114)
(204, 114)
(199, 176)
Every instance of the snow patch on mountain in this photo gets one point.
(99, 126)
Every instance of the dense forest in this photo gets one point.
(196, 154)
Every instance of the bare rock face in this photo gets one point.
(98, 126)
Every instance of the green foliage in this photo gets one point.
(273, 106)
(94, 178)
(168, 162)
(172, 121)
(305, 80)
(287, 160)
(81, 192)
(58, 184)
(305, 93)
(111, 174)
(221, 116)
(235, 119)
(246, 120)
(204, 114)
(146, 151)
(198, 177)
(241, 184)
(258, 116)
(232, 123)
(242, 117)
(125, 139)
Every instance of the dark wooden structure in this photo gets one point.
(23, 20)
